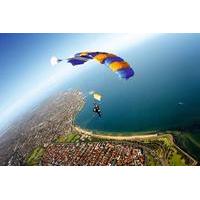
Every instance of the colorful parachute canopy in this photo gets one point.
(115, 63)
(96, 95)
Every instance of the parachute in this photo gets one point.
(115, 63)
(96, 95)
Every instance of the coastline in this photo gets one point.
(114, 137)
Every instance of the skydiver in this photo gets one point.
(96, 109)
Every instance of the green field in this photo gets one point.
(151, 161)
(165, 149)
(67, 138)
(175, 158)
(190, 142)
(35, 156)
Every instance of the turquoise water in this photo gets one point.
(167, 71)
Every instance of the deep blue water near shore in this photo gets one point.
(167, 71)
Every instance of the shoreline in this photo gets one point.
(115, 137)
(114, 134)
(110, 134)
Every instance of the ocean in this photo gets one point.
(164, 93)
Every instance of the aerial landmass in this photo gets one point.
(47, 135)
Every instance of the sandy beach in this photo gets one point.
(112, 137)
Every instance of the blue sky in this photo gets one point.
(24, 61)
(25, 66)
